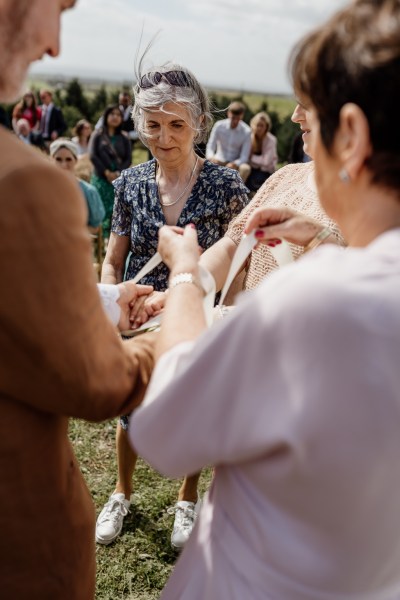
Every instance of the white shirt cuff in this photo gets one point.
(109, 295)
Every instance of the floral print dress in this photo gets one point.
(218, 195)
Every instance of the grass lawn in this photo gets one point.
(137, 565)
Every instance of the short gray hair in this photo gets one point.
(193, 96)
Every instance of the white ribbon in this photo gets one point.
(281, 253)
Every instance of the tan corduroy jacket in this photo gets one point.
(60, 356)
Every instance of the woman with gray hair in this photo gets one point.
(177, 187)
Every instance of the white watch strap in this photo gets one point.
(281, 253)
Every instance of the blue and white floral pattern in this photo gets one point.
(218, 195)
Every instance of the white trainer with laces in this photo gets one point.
(109, 522)
(185, 518)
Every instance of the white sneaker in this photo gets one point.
(109, 522)
(185, 518)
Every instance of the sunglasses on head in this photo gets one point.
(176, 78)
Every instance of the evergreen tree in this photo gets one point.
(100, 101)
(75, 97)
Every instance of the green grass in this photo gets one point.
(138, 564)
(139, 154)
(282, 105)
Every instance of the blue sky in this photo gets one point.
(237, 44)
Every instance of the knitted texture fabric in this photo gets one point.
(293, 187)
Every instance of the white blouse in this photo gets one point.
(296, 399)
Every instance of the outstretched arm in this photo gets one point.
(272, 224)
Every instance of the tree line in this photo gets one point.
(77, 103)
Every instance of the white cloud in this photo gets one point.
(242, 44)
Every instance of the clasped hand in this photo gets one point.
(131, 299)
(180, 252)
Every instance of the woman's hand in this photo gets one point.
(179, 248)
(155, 303)
(142, 311)
(131, 294)
(273, 224)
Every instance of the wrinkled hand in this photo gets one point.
(273, 224)
(179, 248)
(132, 296)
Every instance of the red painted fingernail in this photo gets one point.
(259, 233)
(192, 226)
(271, 244)
(278, 241)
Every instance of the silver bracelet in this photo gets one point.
(183, 278)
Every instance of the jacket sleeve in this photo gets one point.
(94, 154)
(60, 353)
(126, 158)
(59, 122)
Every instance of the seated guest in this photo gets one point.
(29, 136)
(64, 152)
(263, 157)
(23, 130)
(298, 390)
(82, 133)
(229, 141)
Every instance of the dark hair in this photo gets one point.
(237, 108)
(355, 57)
(109, 110)
(22, 105)
(80, 125)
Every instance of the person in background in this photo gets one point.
(299, 389)
(52, 123)
(65, 154)
(29, 136)
(23, 130)
(110, 152)
(125, 104)
(230, 139)
(82, 132)
(263, 155)
(171, 115)
(26, 109)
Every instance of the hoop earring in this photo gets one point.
(344, 176)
